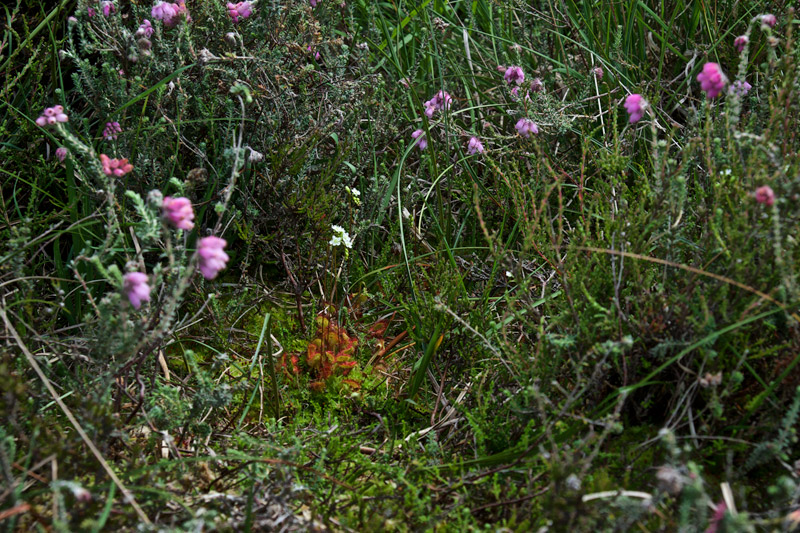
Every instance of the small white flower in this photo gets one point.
(340, 236)
(509, 274)
(354, 194)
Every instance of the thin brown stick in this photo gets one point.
(21, 508)
(392, 344)
(510, 502)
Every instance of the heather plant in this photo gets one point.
(399, 266)
(296, 118)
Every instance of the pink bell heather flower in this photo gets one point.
(314, 3)
(501, 69)
(211, 257)
(51, 116)
(740, 42)
(169, 13)
(635, 104)
(712, 80)
(598, 73)
(179, 212)
(145, 29)
(537, 86)
(317, 55)
(769, 20)
(440, 101)
(61, 153)
(765, 195)
(740, 88)
(422, 142)
(430, 108)
(115, 167)
(107, 8)
(165, 11)
(135, 287)
(474, 146)
(240, 9)
(111, 131)
(514, 75)
(91, 12)
(526, 126)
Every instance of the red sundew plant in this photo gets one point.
(329, 354)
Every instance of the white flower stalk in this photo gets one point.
(340, 237)
(355, 194)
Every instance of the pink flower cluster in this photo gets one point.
(769, 20)
(419, 136)
(145, 29)
(740, 42)
(740, 88)
(314, 3)
(317, 55)
(239, 10)
(526, 126)
(169, 13)
(111, 130)
(211, 257)
(635, 104)
(712, 80)
(135, 287)
(115, 167)
(61, 153)
(107, 8)
(514, 75)
(52, 115)
(178, 211)
(765, 195)
(474, 146)
(439, 102)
